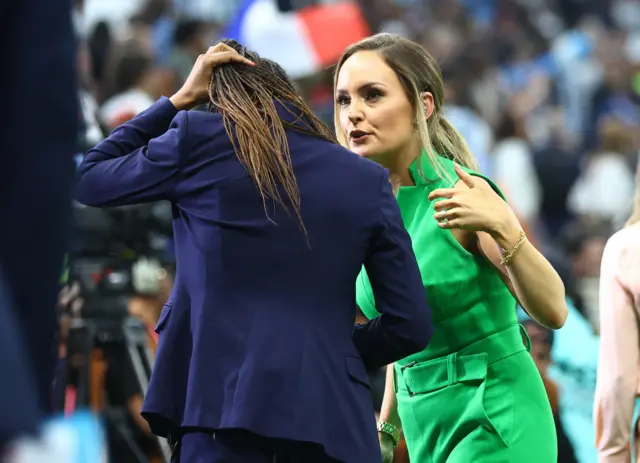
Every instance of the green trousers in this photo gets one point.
(486, 403)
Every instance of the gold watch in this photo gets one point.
(390, 430)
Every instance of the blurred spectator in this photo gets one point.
(605, 186)
(514, 169)
(579, 72)
(584, 243)
(615, 97)
(136, 84)
(475, 130)
(557, 165)
(189, 41)
(100, 43)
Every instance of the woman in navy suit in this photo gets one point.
(258, 359)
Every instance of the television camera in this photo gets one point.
(115, 254)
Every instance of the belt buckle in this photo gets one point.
(452, 368)
(404, 367)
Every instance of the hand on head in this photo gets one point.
(195, 89)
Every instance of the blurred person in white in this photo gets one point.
(514, 170)
(605, 186)
(114, 12)
(626, 13)
(136, 85)
(618, 380)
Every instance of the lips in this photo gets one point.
(358, 135)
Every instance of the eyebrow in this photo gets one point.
(364, 86)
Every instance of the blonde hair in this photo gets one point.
(418, 72)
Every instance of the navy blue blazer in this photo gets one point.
(259, 330)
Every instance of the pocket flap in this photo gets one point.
(357, 371)
(164, 317)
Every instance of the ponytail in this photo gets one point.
(449, 143)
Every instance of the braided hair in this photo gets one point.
(248, 98)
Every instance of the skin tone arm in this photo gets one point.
(476, 213)
(389, 408)
(530, 278)
(388, 414)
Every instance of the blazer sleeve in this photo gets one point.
(139, 162)
(404, 325)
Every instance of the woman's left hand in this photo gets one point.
(476, 208)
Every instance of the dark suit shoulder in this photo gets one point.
(358, 162)
(204, 122)
(205, 129)
(199, 115)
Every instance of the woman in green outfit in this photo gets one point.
(474, 395)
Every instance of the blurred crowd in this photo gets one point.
(546, 93)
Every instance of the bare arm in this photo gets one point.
(617, 364)
(389, 408)
(531, 278)
(134, 404)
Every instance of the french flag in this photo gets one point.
(304, 41)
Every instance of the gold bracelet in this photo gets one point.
(506, 259)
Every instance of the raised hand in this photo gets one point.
(474, 206)
(195, 89)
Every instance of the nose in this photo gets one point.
(354, 112)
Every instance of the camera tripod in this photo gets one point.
(87, 334)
